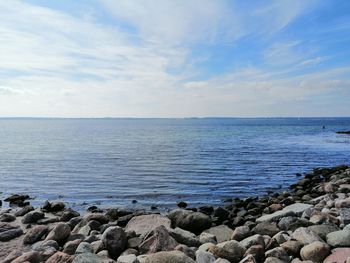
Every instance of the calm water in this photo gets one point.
(161, 161)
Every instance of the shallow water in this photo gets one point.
(161, 161)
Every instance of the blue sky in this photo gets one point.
(174, 58)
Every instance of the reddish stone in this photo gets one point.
(339, 255)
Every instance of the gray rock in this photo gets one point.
(7, 217)
(323, 230)
(277, 252)
(266, 228)
(339, 238)
(24, 210)
(186, 250)
(291, 210)
(91, 258)
(204, 257)
(305, 236)
(185, 237)
(253, 240)
(316, 252)
(146, 223)
(230, 250)
(60, 257)
(241, 233)
(194, 222)
(10, 234)
(114, 240)
(168, 257)
(32, 217)
(59, 233)
(221, 232)
(32, 257)
(35, 234)
(71, 246)
(128, 259)
(84, 247)
(207, 238)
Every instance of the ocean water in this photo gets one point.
(110, 162)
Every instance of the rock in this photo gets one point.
(16, 199)
(266, 228)
(46, 221)
(91, 258)
(253, 240)
(32, 257)
(10, 234)
(185, 237)
(68, 215)
(32, 217)
(84, 247)
(248, 259)
(35, 234)
(305, 236)
(60, 233)
(281, 237)
(6, 217)
(294, 209)
(221, 260)
(195, 222)
(146, 223)
(339, 255)
(128, 259)
(339, 238)
(342, 203)
(323, 230)
(97, 217)
(60, 257)
(71, 246)
(134, 242)
(182, 204)
(221, 232)
(292, 247)
(41, 245)
(344, 215)
(24, 210)
(114, 240)
(241, 233)
(230, 250)
(168, 257)
(185, 249)
(57, 206)
(257, 251)
(158, 240)
(204, 257)
(316, 252)
(277, 252)
(292, 223)
(274, 260)
(207, 238)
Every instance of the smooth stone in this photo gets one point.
(32, 257)
(195, 222)
(32, 217)
(323, 230)
(91, 258)
(221, 232)
(146, 223)
(10, 234)
(247, 259)
(204, 257)
(292, 247)
(114, 240)
(127, 259)
(266, 228)
(207, 238)
(60, 257)
(305, 236)
(84, 247)
(35, 234)
(186, 250)
(339, 255)
(230, 250)
(316, 252)
(185, 237)
(339, 238)
(7, 217)
(241, 233)
(293, 209)
(253, 240)
(59, 233)
(71, 246)
(277, 252)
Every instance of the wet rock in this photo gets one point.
(241, 233)
(266, 228)
(221, 232)
(195, 222)
(305, 236)
(114, 240)
(339, 238)
(32, 217)
(316, 252)
(182, 204)
(10, 234)
(158, 240)
(35, 234)
(146, 223)
(60, 257)
(168, 257)
(230, 250)
(59, 233)
(185, 237)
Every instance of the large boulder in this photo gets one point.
(168, 257)
(195, 222)
(60, 233)
(114, 240)
(158, 240)
(221, 232)
(146, 223)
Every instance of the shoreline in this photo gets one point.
(204, 234)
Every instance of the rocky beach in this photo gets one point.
(309, 223)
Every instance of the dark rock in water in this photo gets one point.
(16, 198)
(114, 239)
(208, 210)
(116, 213)
(32, 217)
(343, 132)
(134, 201)
(194, 222)
(97, 217)
(182, 204)
(10, 234)
(221, 213)
(53, 206)
(158, 240)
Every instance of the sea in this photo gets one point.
(139, 163)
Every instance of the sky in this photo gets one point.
(174, 58)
